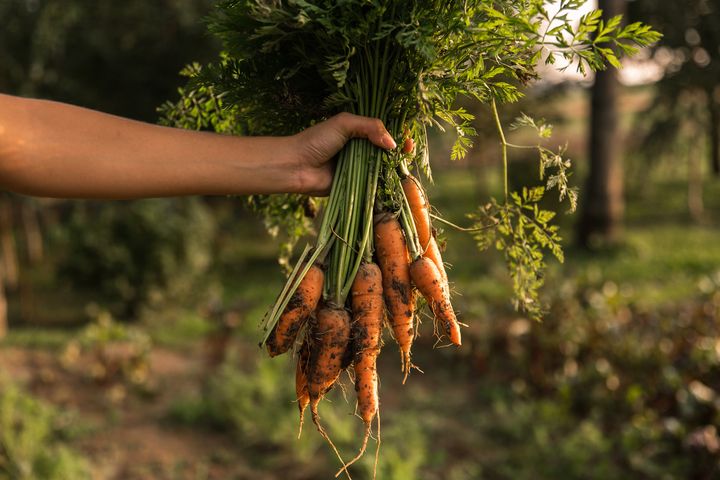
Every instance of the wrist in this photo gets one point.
(295, 173)
(304, 175)
(265, 165)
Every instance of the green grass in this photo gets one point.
(179, 331)
(39, 337)
(31, 439)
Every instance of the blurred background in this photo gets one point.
(131, 328)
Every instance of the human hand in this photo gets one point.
(319, 144)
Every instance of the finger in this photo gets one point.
(356, 126)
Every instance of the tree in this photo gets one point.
(603, 203)
(118, 57)
(689, 51)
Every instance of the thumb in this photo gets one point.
(356, 126)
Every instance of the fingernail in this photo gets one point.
(388, 141)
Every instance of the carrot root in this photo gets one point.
(360, 453)
(377, 449)
(406, 364)
(323, 433)
(301, 383)
(302, 420)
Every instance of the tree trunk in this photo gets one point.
(3, 306)
(695, 187)
(8, 248)
(602, 201)
(33, 234)
(714, 108)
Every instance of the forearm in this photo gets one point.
(56, 150)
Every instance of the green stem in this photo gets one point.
(504, 146)
(365, 250)
(336, 194)
(408, 227)
(407, 222)
(526, 147)
(459, 228)
(347, 220)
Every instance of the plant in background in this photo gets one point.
(248, 398)
(147, 253)
(107, 352)
(30, 446)
(290, 64)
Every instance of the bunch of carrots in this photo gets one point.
(330, 337)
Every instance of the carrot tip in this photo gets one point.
(302, 420)
(455, 336)
(406, 364)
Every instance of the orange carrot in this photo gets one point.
(433, 253)
(331, 335)
(301, 382)
(408, 142)
(302, 303)
(392, 257)
(420, 208)
(408, 145)
(428, 280)
(367, 307)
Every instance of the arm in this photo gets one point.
(56, 150)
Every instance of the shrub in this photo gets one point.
(30, 446)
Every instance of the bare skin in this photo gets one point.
(50, 149)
